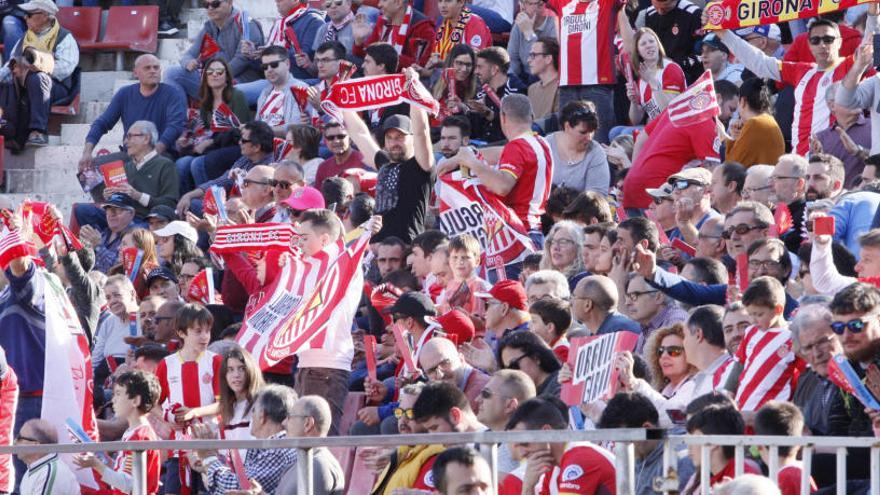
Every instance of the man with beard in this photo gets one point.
(405, 163)
(344, 156)
(789, 187)
(856, 313)
(455, 132)
(825, 175)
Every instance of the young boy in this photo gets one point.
(190, 380)
(464, 258)
(550, 321)
(783, 419)
(770, 367)
(134, 395)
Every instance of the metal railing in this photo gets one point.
(623, 439)
(623, 449)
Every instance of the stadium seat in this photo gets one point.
(130, 28)
(83, 22)
(353, 402)
(362, 479)
(70, 109)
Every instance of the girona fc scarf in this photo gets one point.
(466, 207)
(367, 93)
(254, 237)
(396, 35)
(732, 14)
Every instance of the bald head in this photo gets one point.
(515, 384)
(258, 191)
(438, 347)
(147, 71)
(599, 289)
(318, 409)
(440, 360)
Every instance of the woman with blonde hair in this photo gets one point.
(672, 386)
(563, 249)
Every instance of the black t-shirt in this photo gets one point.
(402, 193)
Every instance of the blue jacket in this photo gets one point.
(306, 29)
(616, 322)
(695, 294)
(166, 108)
(23, 328)
(853, 215)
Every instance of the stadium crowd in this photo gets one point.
(705, 200)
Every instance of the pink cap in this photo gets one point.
(304, 198)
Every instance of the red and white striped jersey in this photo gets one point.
(672, 80)
(586, 41)
(191, 383)
(585, 469)
(529, 161)
(124, 460)
(811, 112)
(770, 367)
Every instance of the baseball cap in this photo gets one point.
(770, 31)
(661, 192)
(163, 212)
(458, 327)
(179, 228)
(414, 304)
(119, 200)
(510, 292)
(47, 6)
(712, 41)
(304, 198)
(697, 174)
(162, 273)
(399, 122)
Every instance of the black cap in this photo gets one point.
(399, 122)
(119, 200)
(414, 304)
(164, 212)
(712, 41)
(162, 273)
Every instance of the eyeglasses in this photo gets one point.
(400, 412)
(442, 364)
(750, 190)
(855, 325)
(514, 365)
(215, 72)
(563, 243)
(321, 61)
(337, 3)
(672, 350)
(780, 177)
(765, 264)
(815, 40)
(538, 54)
(249, 182)
(134, 134)
(632, 296)
(283, 184)
(213, 5)
(681, 185)
(273, 64)
(741, 229)
(335, 137)
(821, 343)
(659, 201)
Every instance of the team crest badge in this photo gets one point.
(572, 473)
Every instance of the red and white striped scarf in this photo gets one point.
(254, 237)
(12, 247)
(277, 36)
(397, 35)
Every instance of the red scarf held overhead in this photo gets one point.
(366, 93)
(259, 237)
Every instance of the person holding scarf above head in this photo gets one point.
(408, 30)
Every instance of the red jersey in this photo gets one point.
(789, 480)
(425, 479)
(770, 367)
(585, 469)
(666, 151)
(412, 39)
(124, 460)
(8, 404)
(729, 472)
(561, 349)
(190, 383)
(529, 161)
(511, 484)
(672, 81)
(811, 112)
(586, 41)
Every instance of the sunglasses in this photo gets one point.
(337, 3)
(273, 64)
(336, 137)
(400, 412)
(855, 325)
(215, 72)
(741, 229)
(659, 201)
(213, 5)
(514, 365)
(244, 141)
(681, 185)
(249, 182)
(283, 184)
(815, 40)
(672, 350)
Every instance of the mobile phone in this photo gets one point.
(876, 50)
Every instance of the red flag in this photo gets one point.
(370, 354)
(209, 48)
(301, 94)
(44, 225)
(281, 148)
(783, 219)
(742, 271)
(697, 104)
(224, 119)
(132, 258)
(201, 289)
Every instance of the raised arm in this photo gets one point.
(361, 137)
(421, 131)
(751, 57)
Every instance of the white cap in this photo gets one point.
(180, 228)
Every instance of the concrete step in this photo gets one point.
(58, 181)
(56, 158)
(75, 134)
(171, 49)
(100, 85)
